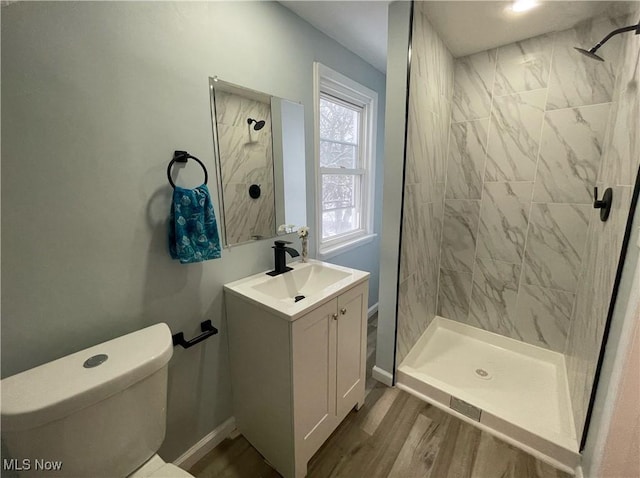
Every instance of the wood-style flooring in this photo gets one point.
(393, 435)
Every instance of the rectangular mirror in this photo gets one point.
(260, 162)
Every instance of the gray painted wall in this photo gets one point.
(397, 60)
(95, 98)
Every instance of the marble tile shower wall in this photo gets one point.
(246, 158)
(430, 94)
(527, 133)
(618, 170)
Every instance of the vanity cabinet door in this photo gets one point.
(350, 350)
(314, 379)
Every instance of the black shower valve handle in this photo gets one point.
(603, 204)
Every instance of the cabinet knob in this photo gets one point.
(343, 311)
(335, 316)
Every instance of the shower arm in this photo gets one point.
(616, 32)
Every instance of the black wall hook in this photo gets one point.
(208, 330)
(603, 204)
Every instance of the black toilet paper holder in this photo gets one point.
(208, 330)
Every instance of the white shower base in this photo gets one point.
(521, 389)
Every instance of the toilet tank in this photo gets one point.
(87, 415)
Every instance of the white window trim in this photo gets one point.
(336, 84)
(346, 246)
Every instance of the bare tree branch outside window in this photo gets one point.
(339, 149)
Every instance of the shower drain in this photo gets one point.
(483, 374)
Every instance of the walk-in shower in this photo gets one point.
(506, 270)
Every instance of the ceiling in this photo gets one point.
(470, 27)
(465, 27)
(359, 26)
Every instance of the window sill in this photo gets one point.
(345, 246)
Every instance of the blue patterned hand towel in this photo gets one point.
(193, 230)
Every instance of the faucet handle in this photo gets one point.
(281, 243)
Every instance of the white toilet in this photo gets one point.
(96, 413)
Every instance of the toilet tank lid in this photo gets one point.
(56, 389)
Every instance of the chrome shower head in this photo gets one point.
(589, 53)
(258, 124)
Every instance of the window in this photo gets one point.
(345, 157)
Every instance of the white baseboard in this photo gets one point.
(579, 473)
(382, 376)
(206, 444)
(372, 310)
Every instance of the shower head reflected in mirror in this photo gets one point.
(592, 53)
(258, 124)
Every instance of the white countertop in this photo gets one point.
(318, 281)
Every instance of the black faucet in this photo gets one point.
(279, 250)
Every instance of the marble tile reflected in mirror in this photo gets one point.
(253, 133)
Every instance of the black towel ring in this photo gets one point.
(182, 157)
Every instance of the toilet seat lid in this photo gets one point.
(156, 467)
(170, 470)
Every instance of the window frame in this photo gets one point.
(329, 83)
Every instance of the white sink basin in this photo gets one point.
(301, 281)
(293, 293)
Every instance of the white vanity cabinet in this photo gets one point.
(294, 379)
